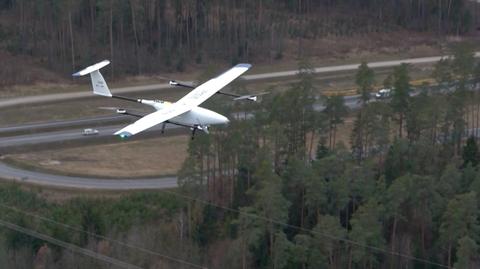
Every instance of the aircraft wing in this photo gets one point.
(201, 93)
(153, 119)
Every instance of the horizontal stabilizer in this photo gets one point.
(92, 68)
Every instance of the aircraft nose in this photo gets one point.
(225, 119)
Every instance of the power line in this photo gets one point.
(331, 237)
(71, 247)
(104, 237)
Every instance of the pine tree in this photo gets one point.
(401, 95)
(365, 78)
(329, 247)
(322, 150)
(463, 61)
(442, 72)
(460, 219)
(272, 207)
(470, 152)
(388, 82)
(467, 254)
(367, 229)
(336, 110)
(397, 162)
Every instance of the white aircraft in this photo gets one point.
(185, 112)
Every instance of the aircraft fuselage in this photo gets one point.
(197, 116)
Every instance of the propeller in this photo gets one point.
(116, 109)
(162, 77)
(108, 108)
(121, 111)
(179, 84)
(251, 97)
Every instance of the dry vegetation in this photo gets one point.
(23, 76)
(143, 158)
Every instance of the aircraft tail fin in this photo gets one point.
(99, 85)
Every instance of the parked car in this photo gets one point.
(90, 131)
(384, 93)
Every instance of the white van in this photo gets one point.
(90, 131)
(384, 93)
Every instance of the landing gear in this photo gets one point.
(163, 127)
(198, 127)
(204, 129)
(194, 129)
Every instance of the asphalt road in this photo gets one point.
(57, 136)
(15, 174)
(272, 75)
(60, 123)
(60, 136)
(76, 133)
